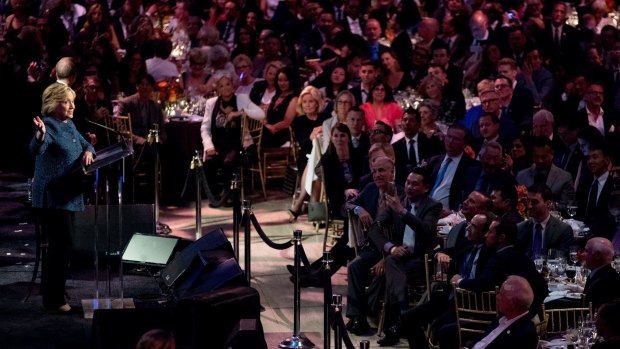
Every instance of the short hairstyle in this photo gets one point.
(424, 172)
(148, 77)
(509, 192)
(508, 228)
(431, 105)
(65, 68)
(273, 64)
(218, 52)
(374, 64)
(520, 291)
(356, 109)
(492, 145)
(494, 118)
(315, 94)
(242, 59)
(197, 56)
(385, 148)
(602, 146)
(541, 142)
(225, 74)
(485, 85)
(504, 77)
(542, 189)
(509, 62)
(382, 160)
(345, 93)
(54, 94)
(388, 128)
(429, 79)
(163, 48)
(463, 129)
(489, 217)
(415, 113)
(545, 115)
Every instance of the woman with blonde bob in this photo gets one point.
(221, 130)
(60, 151)
(306, 127)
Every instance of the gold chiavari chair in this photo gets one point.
(475, 311)
(254, 128)
(560, 320)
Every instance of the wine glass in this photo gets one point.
(573, 255)
(539, 263)
(571, 208)
(571, 272)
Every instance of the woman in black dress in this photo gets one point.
(282, 110)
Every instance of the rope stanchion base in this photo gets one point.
(293, 342)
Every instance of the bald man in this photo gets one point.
(514, 329)
(603, 284)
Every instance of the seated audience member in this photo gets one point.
(543, 231)
(368, 75)
(519, 102)
(490, 105)
(359, 138)
(489, 132)
(414, 147)
(428, 119)
(519, 155)
(489, 175)
(221, 132)
(264, 90)
(504, 200)
(469, 259)
(608, 326)
(568, 154)
(281, 111)
(515, 328)
(593, 197)
(507, 260)
(381, 106)
(145, 112)
(448, 170)
(603, 283)
(306, 126)
(343, 103)
(90, 106)
(543, 171)
(195, 80)
(412, 224)
(604, 120)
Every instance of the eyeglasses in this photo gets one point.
(487, 101)
(499, 87)
(377, 131)
(243, 66)
(345, 102)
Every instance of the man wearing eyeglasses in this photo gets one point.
(603, 119)
(91, 106)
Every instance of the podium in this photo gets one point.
(114, 154)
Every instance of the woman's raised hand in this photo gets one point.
(40, 128)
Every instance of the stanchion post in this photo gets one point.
(296, 340)
(196, 165)
(337, 305)
(234, 186)
(327, 260)
(365, 344)
(247, 208)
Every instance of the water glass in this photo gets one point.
(571, 271)
(539, 263)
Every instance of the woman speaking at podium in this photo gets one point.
(60, 152)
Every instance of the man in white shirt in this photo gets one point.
(159, 67)
(514, 329)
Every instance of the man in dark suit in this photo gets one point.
(605, 121)
(469, 260)
(560, 39)
(353, 22)
(448, 170)
(229, 26)
(368, 75)
(401, 45)
(122, 25)
(414, 148)
(567, 154)
(593, 197)
(520, 106)
(414, 228)
(373, 34)
(312, 41)
(489, 175)
(543, 171)
(515, 329)
(366, 206)
(543, 231)
(359, 138)
(441, 57)
(603, 284)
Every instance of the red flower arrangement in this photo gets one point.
(522, 200)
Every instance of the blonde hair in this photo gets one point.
(314, 93)
(381, 149)
(273, 64)
(54, 94)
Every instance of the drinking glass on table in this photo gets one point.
(573, 254)
(571, 208)
(571, 272)
(539, 262)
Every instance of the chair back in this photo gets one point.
(121, 123)
(435, 274)
(253, 128)
(560, 320)
(475, 311)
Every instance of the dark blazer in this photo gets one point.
(461, 257)
(427, 148)
(603, 286)
(457, 189)
(357, 93)
(522, 106)
(610, 121)
(567, 159)
(361, 152)
(457, 240)
(401, 45)
(345, 24)
(141, 126)
(368, 199)
(560, 181)
(521, 334)
(557, 235)
(503, 263)
(424, 223)
(335, 182)
(599, 220)
(487, 183)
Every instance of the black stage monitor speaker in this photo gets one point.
(135, 218)
(149, 250)
(205, 265)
